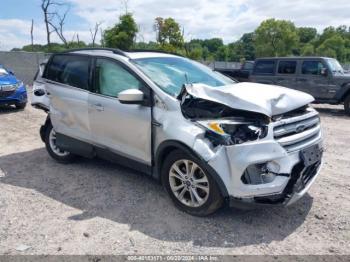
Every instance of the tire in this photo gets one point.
(347, 105)
(198, 194)
(21, 106)
(60, 156)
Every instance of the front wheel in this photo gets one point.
(347, 105)
(190, 185)
(54, 151)
(21, 106)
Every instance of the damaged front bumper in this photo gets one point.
(277, 170)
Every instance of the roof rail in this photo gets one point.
(155, 51)
(113, 50)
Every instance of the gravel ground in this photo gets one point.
(95, 207)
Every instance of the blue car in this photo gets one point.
(12, 90)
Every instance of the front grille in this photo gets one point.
(4, 94)
(298, 132)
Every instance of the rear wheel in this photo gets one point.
(54, 151)
(190, 185)
(347, 105)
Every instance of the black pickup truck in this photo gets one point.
(242, 74)
(322, 77)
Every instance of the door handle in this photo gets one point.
(98, 107)
(302, 79)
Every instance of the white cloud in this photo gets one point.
(227, 19)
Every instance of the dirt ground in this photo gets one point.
(95, 207)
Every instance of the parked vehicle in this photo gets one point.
(39, 97)
(242, 74)
(12, 90)
(207, 138)
(322, 77)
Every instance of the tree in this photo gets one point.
(308, 50)
(169, 34)
(221, 54)
(194, 51)
(121, 35)
(333, 47)
(93, 33)
(306, 34)
(213, 44)
(276, 38)
(32, 34)
(49, 9)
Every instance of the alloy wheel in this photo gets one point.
(189, 183)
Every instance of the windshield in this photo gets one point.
(3, 72)
(335, 66)
(171, 73)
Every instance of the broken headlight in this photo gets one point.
(233, 132)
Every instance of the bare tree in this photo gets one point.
(31, 35)
(102, 37)
(94, 32)
(50, 16)
(125, 4)
(59, 28)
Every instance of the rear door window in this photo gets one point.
(287, 67)
(312, 68)
(265, 67)
(72, 70)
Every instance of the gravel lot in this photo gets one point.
(95, 207)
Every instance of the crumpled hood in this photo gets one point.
(8, 80)
(269, 100)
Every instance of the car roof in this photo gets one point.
(127, 54)
(293, 58)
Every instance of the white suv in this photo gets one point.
(207, 138)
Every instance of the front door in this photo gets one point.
(123, 129)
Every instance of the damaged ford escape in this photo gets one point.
(208, 139)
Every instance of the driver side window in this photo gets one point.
(112, 78)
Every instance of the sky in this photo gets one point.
(227, 19)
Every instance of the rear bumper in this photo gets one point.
(19, 96)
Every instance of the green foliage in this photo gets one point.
(308, 50)
(169, 34)
(306, 34)
(276, 38)
(122, 34)
(272, 38)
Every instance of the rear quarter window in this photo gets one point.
(72, 70)
(265, 67)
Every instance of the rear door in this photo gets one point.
(67, 85)
(311, 80)
(123, 129)
(286, 74)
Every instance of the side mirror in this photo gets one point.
(324, 71)
(11, 73)
(131, 97)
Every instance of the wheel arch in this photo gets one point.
(166, 147)
(344, 91)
